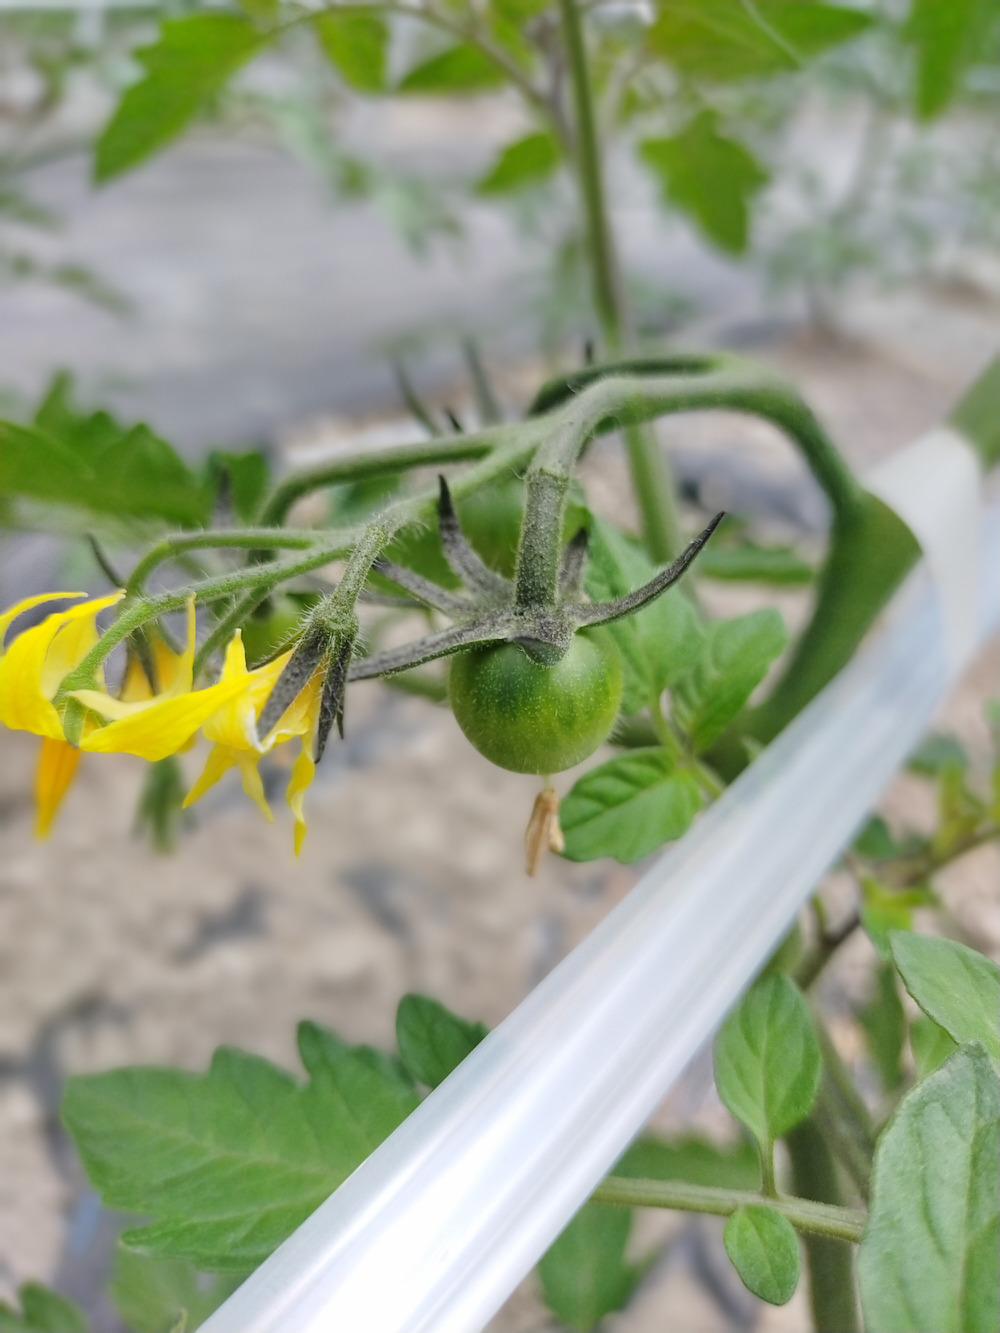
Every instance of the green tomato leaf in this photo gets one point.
(724, 40)
(950, 36)
(780, 566)
(764, 1250)
(661, 643)
(528, 161)
(710, 177)
(734, 660)
(192, 61)
(693, 1159)
(875, 841)
(93, 462)
(460, 69)
(151, 1295)
(935, 754)
(954, 985)
(230, 1162)
(930, 1045)
(245, 478)
(929, 1260)
(884, 1025)
(584, 1274)
(628, 807)
(355, 40)
(767, 1058)
(432, 1040)
(42, 1311)
(884, 910)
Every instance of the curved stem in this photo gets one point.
(361, 466)
(817, 1219)
(250, 538)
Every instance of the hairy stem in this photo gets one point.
(250, 538)
(651, 481)
(829, 1261)
(815, 1219)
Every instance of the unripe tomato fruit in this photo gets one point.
(537, 719)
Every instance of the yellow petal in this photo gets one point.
(162, 727)
(220, 760)
(73, 642)
(253, 785)
(135, 687)
(299, 718)
(26, 603)
(177, 672)
(303, 772)
(235, 723)
(56, 766)
(24, 677)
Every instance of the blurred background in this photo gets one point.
(285, 276)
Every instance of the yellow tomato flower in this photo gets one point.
(39, 658)
(30, 672)
(233, 731)
(162, 724)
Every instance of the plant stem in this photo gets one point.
(385, 462)
(251, 538)
(828, 1260)
(816, 1219)
(651, 480)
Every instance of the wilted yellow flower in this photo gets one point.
(233, 731)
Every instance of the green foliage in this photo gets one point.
(628, 807)
(723, 40)
(693, 1159)
(710, 177)
(160, 811)
(884, 1025)
(432, 1040)
(153, 1295)
(584, 1274)
(244, 480)
(935, 754)
(767, 1058)
(930, 1045)
(230, 1162)
(42, 1311)
(885, 909)
(662, 642)
(954, 985)
(746, 562)
(356, 41)
(93, 462)
(734, 659)
(192, 61)
(527, 161)
(460, 70)
(929, 1258)
(764, 1250)
(949, 36)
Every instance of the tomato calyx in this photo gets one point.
(487, 611)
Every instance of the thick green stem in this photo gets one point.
(829, 1261)
(385, 462)
(811, 1218)
(651, 480)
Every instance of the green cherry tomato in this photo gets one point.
(537, 719)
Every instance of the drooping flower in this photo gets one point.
(30, 672)
(36, 662)
(233, 731)
(163, 723)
